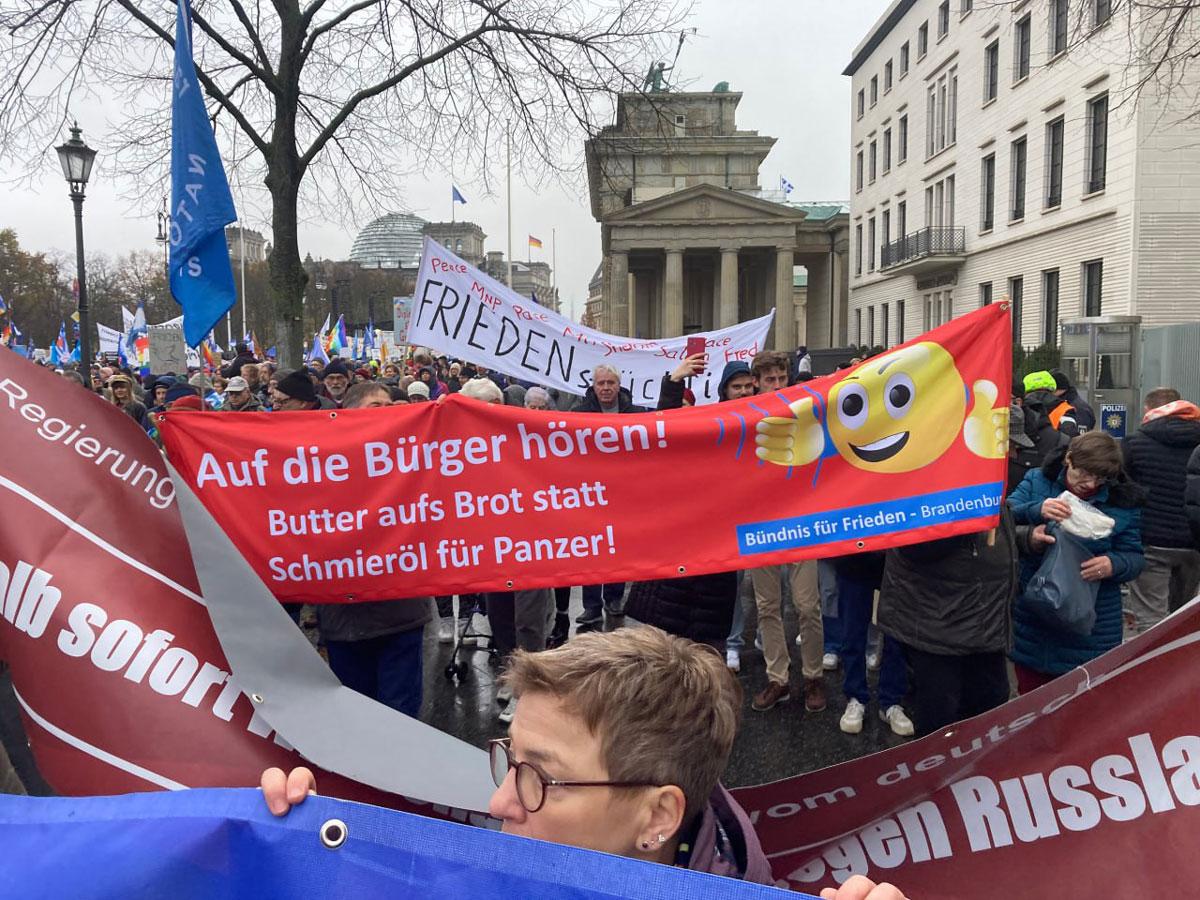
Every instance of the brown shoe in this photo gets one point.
(770, 697)
(814, 694)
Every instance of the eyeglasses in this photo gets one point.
(1081, 477)
(532, 782)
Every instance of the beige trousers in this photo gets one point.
(768, 597)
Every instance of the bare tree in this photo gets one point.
(331, 105)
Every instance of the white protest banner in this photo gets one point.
(168, 352)
(127, 320)
(458, 309)
(401, 317)
(110, 339)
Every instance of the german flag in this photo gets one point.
(535, 243)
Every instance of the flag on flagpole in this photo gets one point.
(369, 336)
(456, 195)
(201, 203)
(318, 351)
(254, 348)
(535, 243)
(785, 185)
(4, 308)
(336, 339)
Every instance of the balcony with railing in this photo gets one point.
(924, 249)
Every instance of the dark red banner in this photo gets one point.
(460, 496)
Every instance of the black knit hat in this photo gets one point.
(298, 386)
(336, 367)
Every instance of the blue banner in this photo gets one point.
(224, 843)
(976, 501)
(201, 204)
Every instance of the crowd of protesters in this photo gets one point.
(952, 626)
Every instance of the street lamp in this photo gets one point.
(76, 158)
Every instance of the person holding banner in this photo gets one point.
(618, 744)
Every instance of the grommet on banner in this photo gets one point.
(508, 584)
(682, 569)
(860, 544)
(333, 415)
(334, 833)
(257, 698)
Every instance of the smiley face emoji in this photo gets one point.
(899, 411)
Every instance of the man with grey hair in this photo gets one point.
(604, 396)
(538, 398)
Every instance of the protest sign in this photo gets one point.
(168, 352)
(121, 680)
(110, 339)
(463, 496)
(401, 318)
(1086, 787)
(226, 844)
(460, 310)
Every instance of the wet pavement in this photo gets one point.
(771, 745)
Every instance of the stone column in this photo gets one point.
(785, 310)
(618, 282)
(729, 288)
(673, 295)
(631, 292)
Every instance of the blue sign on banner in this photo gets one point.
(225, 843)
(1114, 419)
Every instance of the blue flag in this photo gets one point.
(201, 204)
(785, 185)
(456, 196)
(225, 843)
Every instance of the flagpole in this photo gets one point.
(508, 142)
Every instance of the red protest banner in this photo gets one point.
(1087, 787)
(122, 683)
(461, 496)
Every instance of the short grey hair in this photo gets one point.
(538, 393)
(605, 367)
(483, 389)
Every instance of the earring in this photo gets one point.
(645, 845)
(661, 839)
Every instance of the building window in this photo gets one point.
(899, 321)
(1016, 293)
(887, 76)
(861, 104)
(1050, 307)
(1022, 39)
(1055, 133)
(1097, 143)
(991, 71)
(885, 226)
(858, 248)
(1019, 154)
(887, 150)
(943, 19)
(858, 326)
(870, 326)
(871, 244)
(858, 171)
(884, 340)
(1058, 27)
(985, 294)
(680, 126)
(872, 158)
(1093, 286)
(922, 41)
(904, 59)
(1101, 12)
(901, 219)
(967, 6)
(902, 139)
(939, 203)
(941, 107)
(874, 89)
(987, 201)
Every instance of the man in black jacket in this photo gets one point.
(1085, 416)
(605, 395)
(1156, 457)
(243, 358)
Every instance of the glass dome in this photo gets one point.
(390, 242)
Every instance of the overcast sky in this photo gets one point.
(785, 56)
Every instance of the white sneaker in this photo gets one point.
(482, 628)
(506, 712)
(797, 640)
(733, 660)
(503, 694)
(852, 719)
(873, 660)
(446, 631)
(900, 723)
(829, 662)
(758, 640)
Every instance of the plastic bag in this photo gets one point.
(1085, 520)
(1057, 593)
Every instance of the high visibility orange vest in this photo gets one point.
(1056, 415)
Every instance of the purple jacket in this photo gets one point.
(726, 843)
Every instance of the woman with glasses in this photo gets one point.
(1090, 467)
(617, 744)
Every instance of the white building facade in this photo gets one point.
(998, 151)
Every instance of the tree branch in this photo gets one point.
(252, 33)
